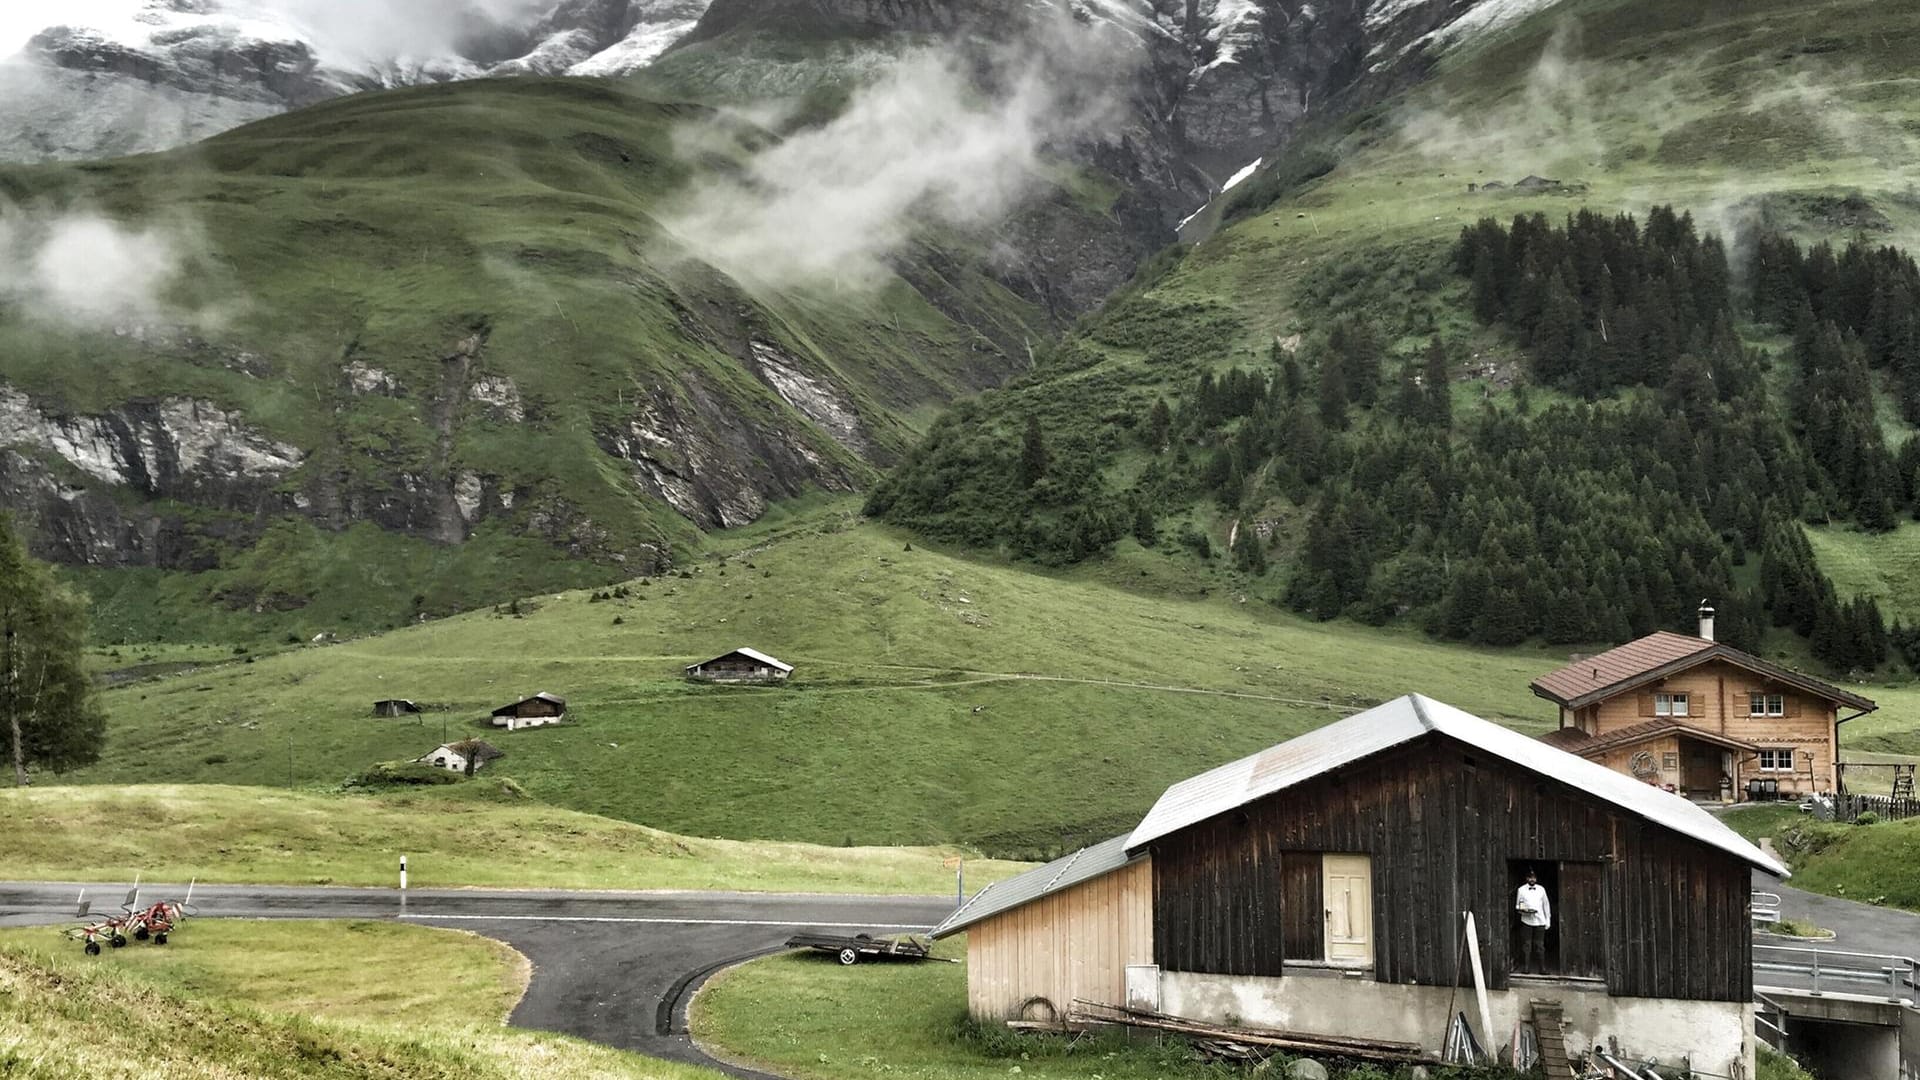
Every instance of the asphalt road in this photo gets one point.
(1867, 930)
(616, 968)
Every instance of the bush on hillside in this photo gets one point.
(403, 774)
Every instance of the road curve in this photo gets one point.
(615, 967)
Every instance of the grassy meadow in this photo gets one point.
(234, 998)
(478, 834)
(937, 699)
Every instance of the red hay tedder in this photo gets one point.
(134, 922)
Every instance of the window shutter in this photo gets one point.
(1791, 703)
(1646, 704)
(1743, 704)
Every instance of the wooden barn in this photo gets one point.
(740, 666)
(540, 709)
(393, 707)
(1320, 886)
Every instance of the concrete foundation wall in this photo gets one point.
(1710, 1035)
(1909, 1044)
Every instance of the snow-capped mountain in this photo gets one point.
(103, 77)
(95, 78)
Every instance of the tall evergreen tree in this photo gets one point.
(1033, 454)
(53, 720)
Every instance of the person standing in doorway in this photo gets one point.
(1536, 915)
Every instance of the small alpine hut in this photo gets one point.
(740, 666)
(1321, 887)
(540, 709)
(393, 707)
(454, 756)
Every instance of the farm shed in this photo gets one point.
(1319, 886)
(542, 708)
(740, 665)
(1069, 929)
(453, 757)
(392, 707)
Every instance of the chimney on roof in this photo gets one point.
(1706, 620)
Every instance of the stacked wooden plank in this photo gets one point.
(1547, 1022)
(1093, 1012)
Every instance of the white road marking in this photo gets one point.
(799, 923)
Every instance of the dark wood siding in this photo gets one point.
(1580, 913)
(1303, 906)
(1441, 824)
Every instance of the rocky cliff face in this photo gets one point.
(168, 72)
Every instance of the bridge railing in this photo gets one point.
(1840, 972)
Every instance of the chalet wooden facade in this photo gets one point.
(392, 707)
(536, 711)
(1702, 718)
(740, 666)
(1319, 887)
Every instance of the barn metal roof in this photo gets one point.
(751, 654)
(1063, 873)
(1404, 720)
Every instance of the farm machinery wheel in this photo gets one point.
(849, 956)
(159, 939)
(92, 948)
(142, 934)
(117, 942)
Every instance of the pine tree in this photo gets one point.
(1159, 425)
(1033, 454)
(1144, 529)
(1435, 380)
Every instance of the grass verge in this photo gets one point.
(453, 837)
(1874, 864)
(804, 1016)
(247, 999)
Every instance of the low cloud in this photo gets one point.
(935, 140)
(83, 269)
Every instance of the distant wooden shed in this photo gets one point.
(392, 707)
(455, 756)
(540, 709)
(740, 666)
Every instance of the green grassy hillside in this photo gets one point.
(482, 833)
(459, 303)
(937, 699)
(242, 999)
(1788, 119)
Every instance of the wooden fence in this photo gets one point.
(1850, 807)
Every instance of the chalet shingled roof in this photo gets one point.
(1589, 745)
(1663, 653)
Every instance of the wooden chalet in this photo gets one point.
(392, 707)
(540, 709)
(740, 666)
(1320, 887)
(1702, 718)
(454, 756)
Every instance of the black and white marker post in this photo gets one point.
(403, 886)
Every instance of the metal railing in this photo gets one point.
(1765, 907)
(1840, 972)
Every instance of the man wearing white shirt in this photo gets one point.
(1536, 915)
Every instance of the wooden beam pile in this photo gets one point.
(1224, 1039)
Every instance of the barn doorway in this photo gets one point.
(1347, 889)
(1548, 874)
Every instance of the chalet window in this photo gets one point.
(1776, 759)
(1670, 761)
(1767, 705)
(1670, 705)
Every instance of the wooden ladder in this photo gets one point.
(1553, 1044)
(1903, 781)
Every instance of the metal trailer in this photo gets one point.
(851, 950)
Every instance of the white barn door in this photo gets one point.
(1348, 885)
